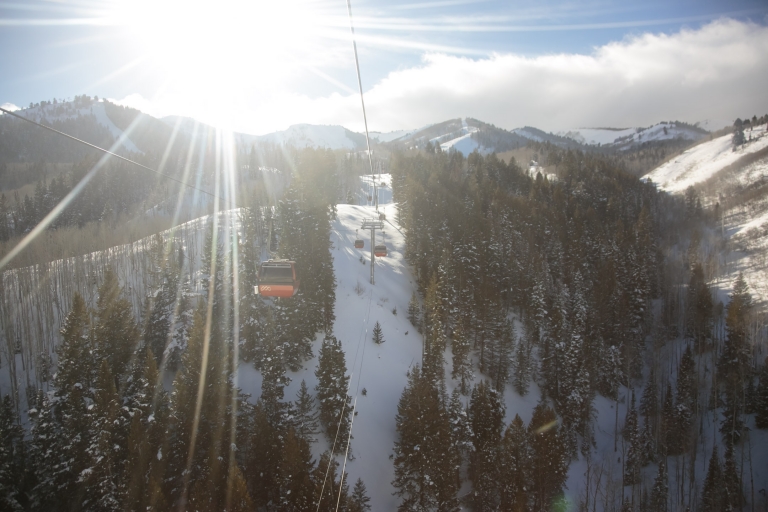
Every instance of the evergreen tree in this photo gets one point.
(332, 385)
(44, 455)
(294, 475)
(116, 333)
(378, 338)
(12, 458)
(359, 500)
(460, 429)
(100, 478)
(634, 457)
(549, 461)
(685, 403)
(329, 490)
(425, 460)
(414, 312)
(660, 492)
(734, 363)
(514, 467)
(305, 415)
(667, 431)
(486, 420)
(522, 367)
(733, 494)
(462, 365)
(712, 494)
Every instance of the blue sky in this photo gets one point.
(261, 66)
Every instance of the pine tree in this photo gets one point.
(667, 430)
(326, 483)
(101, 487)
(461, 432)
(359, 500)
(733, 494)
(514, 467)
(486, 420)
(521, 370)
(378, 338)
(634, 457)
(649, 402)
(12, 458)
(711, 497)
(414, 312)
(115, 329)
(44, 455)
(462, 365)
(294, 475)
(305, 415)
(660, 492)
(332, 385)
(685, 402)
(425, 461)
(238, 498)
(549, 461)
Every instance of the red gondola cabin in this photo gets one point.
(277, 278)
(380, 251)
(359, 244)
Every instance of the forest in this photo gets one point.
(585, 285)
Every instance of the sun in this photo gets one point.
(230, 48)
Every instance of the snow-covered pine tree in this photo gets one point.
(712, 492)
(377, 336)
(514, 467)
(295, 475)
(359, 500)
(734, 363)
(332, 384)
(486, 420)
(305, 414)
(733, 492)
(326, 483)
(522, 362)
(414, 312)
(462, 365)
(425, 459)
(549, 460)
(660, 492)
(685, 403)
(104, 453)
(12, 459)
(115, 330)
(633, 460)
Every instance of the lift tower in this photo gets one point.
(373, 225)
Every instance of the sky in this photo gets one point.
(260, 66)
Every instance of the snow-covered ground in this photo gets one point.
(595, 136)
(701, 162)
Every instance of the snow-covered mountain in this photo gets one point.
(625, 138)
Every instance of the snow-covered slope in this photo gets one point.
(309, 135)
(625, 138)
(68, 110)
(701, 162)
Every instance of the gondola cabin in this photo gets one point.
(380, 251)
(359, 244)
(277, 278)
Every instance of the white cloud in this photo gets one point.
(716, 72)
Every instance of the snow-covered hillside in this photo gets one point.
(625, 138)
(701, 162)
(50, 112)
(309, 135)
